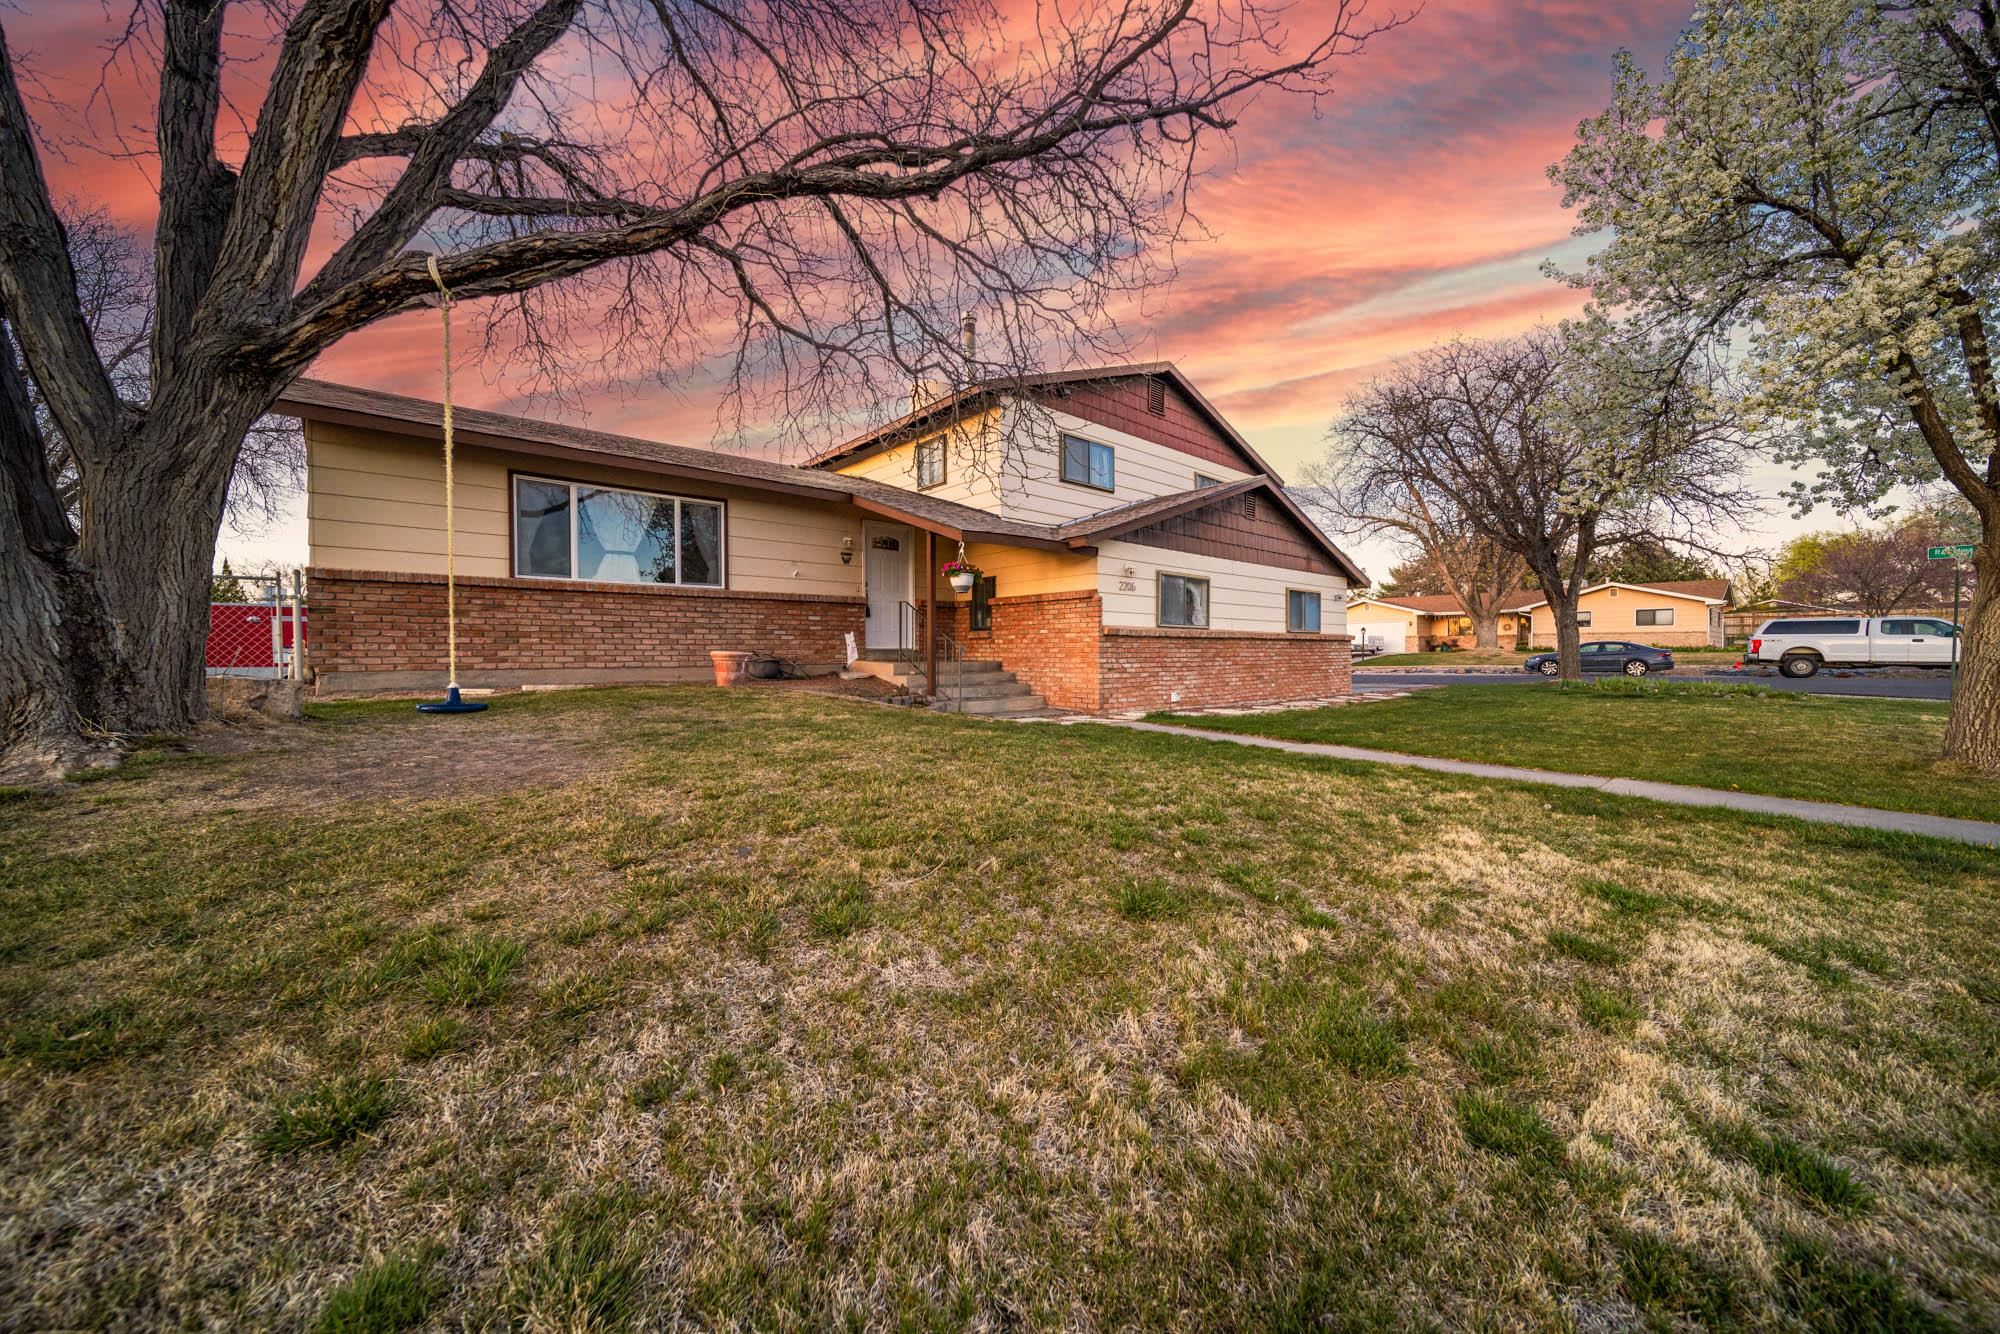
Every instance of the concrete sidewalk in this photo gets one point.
(1823, 812)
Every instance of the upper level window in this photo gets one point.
(1302, 610)
(1653, 616)
(607, 534)
(1087, 463)
(930, 463)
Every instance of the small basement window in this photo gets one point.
(1183, 601)
(1653, 616)
(1302, 611)
(1087, 463)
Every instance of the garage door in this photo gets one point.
(1388, 637)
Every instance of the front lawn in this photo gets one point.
(1866, 752)
(758, 1009)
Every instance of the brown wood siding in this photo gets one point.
(1121, 405)
(1224, 531)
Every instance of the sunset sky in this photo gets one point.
(1414, 207)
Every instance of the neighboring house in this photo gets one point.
(1137, 553)
(1681, 612)
(1421, 622)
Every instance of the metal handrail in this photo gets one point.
(912, 653)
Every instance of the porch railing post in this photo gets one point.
(930, 612)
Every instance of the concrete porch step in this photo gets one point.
(996, 706)
(903, 673)
(976, 687)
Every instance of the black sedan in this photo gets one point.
(1608, 655)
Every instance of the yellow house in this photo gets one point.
(1676, 613)
(1421, 622)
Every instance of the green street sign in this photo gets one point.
(1961, 552)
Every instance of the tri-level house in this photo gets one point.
(1134, 551)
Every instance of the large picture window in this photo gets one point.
(607, 534)
(1183, 601)
(1087, 463)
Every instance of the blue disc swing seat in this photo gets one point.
(452, 701)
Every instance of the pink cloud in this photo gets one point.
(1412, 208)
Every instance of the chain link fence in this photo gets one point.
(258, 624)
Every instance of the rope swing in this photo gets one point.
(451, 702)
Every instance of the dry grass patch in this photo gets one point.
(787, 1011)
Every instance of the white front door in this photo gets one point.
(886, 570)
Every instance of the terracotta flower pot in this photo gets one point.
(731, 667)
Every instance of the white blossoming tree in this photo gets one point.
(1816, 184)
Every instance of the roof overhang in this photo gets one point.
(394, 424)
(1142, 514)
(1635, 588)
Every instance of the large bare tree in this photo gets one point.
(823, 185)
(1369, 482)
(1560, 444)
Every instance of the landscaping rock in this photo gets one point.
(245, 699)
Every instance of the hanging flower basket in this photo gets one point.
(963, 575)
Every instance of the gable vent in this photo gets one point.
(1156, 396)
(1249, 505)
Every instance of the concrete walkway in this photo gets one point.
(1824, 812)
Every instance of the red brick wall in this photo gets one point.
(1049, 640)
(1141, 668)
(375, 622)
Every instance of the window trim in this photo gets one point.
(518, 475)
(981, 599)
(1062, 462)
(1655, 612)
(1320, 603)
(1582, 617)
(943, 460)
(1160, 599)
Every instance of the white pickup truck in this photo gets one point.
(1802, 647)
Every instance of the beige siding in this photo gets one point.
(1242, 596)
(1612, 612)
(1014, 467)
(375, 501)
(1021, 571)
(967, 478)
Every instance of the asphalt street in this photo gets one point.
(1931, 685)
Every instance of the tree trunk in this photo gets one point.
(60, 681)
(1972, 734)
(1486, 630)
(105, 639)
(1569, 639)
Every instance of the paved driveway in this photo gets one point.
(1931, 685)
